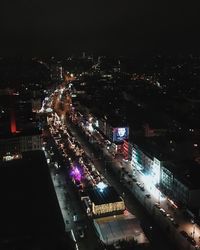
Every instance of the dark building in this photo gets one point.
(30, 214)
(18, 132)
(15, 113)
(23, 113)
(16, 143)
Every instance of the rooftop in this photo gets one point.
(153, 147)
(108, 195)
(121, 227)
(29, 131)
(29, 205)
(169, 148)
(187, 171)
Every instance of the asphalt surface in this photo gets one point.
(71, 206)
(105, 165)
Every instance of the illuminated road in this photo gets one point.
(157, 197)
(191, 229)
(131, 203)
(71, 205)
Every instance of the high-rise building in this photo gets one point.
(15, 114)
(17, 131)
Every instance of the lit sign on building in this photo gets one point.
(96, 123)
(125, 149)
(108, 208)
(120, 134)
(10, 157)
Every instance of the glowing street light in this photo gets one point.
(101, 185)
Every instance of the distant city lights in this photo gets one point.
(10, 157)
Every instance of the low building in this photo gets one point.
(26, 140)
(113, 223)
(105, 201)
(113, 229)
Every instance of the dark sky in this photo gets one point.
(41, 27)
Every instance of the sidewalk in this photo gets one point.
(61, 193)
(156, 197)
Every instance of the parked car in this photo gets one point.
(157, 205)
(117, 245)
(171, 218)
(134, 179)
(184, 234)
(138, 184)
(142, 188)
(192, 241)
(80, 232)
(163, 212)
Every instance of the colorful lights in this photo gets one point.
(13, 122)
(76, 173)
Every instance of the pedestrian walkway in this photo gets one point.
(61, 193)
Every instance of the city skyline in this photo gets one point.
(100, 152)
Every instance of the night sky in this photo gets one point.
(116, 27)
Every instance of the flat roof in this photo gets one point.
(108, 195)
(168, 148)
(152, 147)
(187, 172)
(28, 131)
(29, 205)
(121, 227)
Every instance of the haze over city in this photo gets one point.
(112, 27)
(99, 125)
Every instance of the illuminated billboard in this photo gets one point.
(120, 134)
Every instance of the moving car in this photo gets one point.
(163, 212)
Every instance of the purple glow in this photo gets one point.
(76, 174)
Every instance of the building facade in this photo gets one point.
(19, 143)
